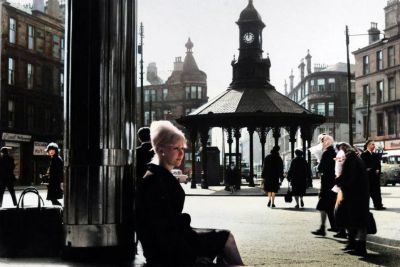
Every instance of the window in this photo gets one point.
(331, 109)
(11, 71)
(12, 30)
(331, 84)
(365, 98)
(147, 119)
(379, 122)
(164, 93)
(392, 88)
(188, 156)
(11, 114)
(391, 58)
(193, 92)
(379, 60)
(321, 109)
(306, 89)
(199, 92)
(56, 46)
(314, 87)
(30, 37)
(321, 84)
(379, 92)
(149, 94)
(61, 83)
(189, 110)
(391, 119)
(365, 127)
(39, 42)
(365, 65)
(62, 50)
(29, 76)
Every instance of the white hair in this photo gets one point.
(164, 133)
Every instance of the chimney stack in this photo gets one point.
(53, 8)
(38, 5)
(308, 60)
(301, 67)
(178, 64)
(374, 33)
(291, 77)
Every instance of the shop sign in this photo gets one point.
(392, 144)
(16, 137)
(39, 148)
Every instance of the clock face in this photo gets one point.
(248, 37)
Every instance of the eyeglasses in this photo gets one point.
(178, 149)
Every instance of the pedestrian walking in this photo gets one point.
(163, 230)
(55, 173)
(232, 173)
(327, 197)
(373, 166)
(298, 175)
(354, 202)
(272, 174)
(144, 152)
(7, 177)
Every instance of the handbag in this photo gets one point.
(31, 231)
(289, 195)
(371, 227)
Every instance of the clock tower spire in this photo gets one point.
(251, 69)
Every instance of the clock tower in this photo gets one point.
(251, 69)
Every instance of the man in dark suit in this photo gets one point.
(7, 177)
(373, 166)
(144, 152)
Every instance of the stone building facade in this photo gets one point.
(32, 82)
(323, 91)
(184, 91)
(377, 83)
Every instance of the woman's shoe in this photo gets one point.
(302, 203)
(273, 206)
(296, 207)
(320, 232)
(269, 203)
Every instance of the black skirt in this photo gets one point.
(210, 242)
(327, 201)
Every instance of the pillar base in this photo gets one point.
(117, 254)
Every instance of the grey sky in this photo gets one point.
(292, 27)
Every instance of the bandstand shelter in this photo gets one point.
(250, 102)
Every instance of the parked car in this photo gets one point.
(390, 171)
(182, 178)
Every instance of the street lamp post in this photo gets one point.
(349, 106)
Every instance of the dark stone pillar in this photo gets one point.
(306, 136)
(237, 136)
(263, 139)
(230, 141)
(204, 139)
(292, 140)
(251, 178)
(276, 133)
(99, 137)
(193, 138)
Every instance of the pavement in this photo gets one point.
(388, 221)
(246, 214)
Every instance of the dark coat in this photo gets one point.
(272, 172)
(326, 168)
(144, 154)
(355, 187)
(372, 164)
(232, 176)
(163, 230)
(56, 170)
(7, 166)
(299, 173)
